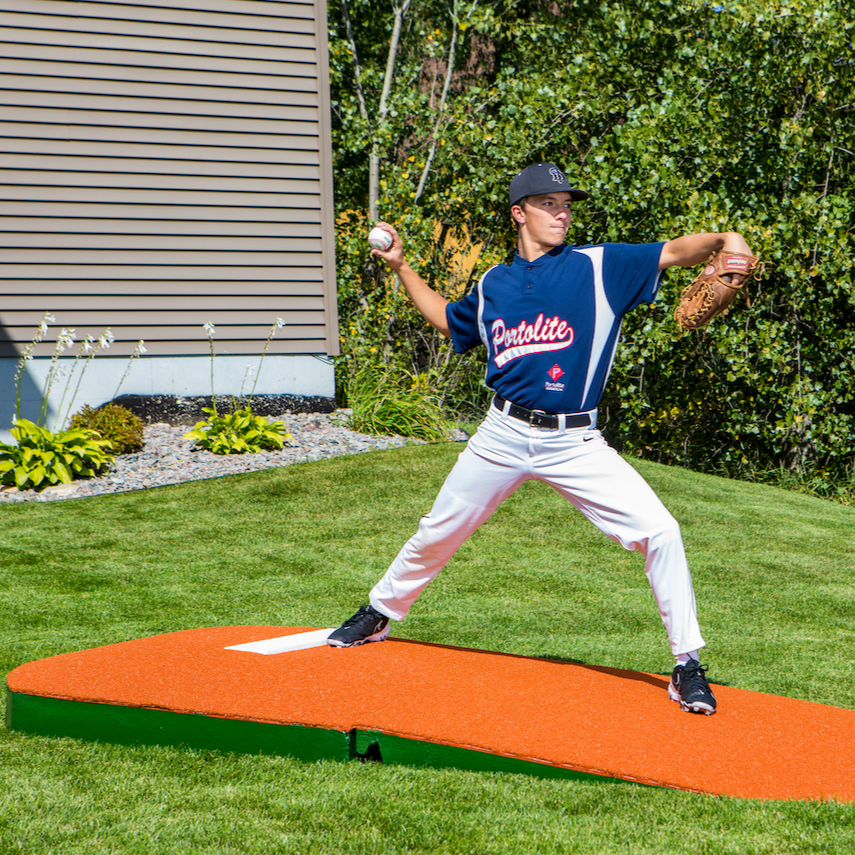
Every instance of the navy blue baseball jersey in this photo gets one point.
(551, 326)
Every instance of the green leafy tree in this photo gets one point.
(677, 118)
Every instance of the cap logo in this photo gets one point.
(557, 175)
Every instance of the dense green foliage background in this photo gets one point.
(677, 118)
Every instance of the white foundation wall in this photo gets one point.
(108, 377)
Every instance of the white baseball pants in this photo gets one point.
(584, 469)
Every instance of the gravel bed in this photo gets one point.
(167, 458)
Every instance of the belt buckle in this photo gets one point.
(534, 418)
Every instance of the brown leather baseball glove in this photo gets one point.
(714, 288)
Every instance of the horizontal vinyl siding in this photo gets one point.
(146, 64)
(163, 165)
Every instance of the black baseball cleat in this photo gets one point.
(690, 688)
(366, 625)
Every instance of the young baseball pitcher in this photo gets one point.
(550, 322)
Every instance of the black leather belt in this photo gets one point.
(540, 419)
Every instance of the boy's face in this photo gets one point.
(545, 218)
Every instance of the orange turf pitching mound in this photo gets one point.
(434, 705)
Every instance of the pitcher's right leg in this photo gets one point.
(469, 496)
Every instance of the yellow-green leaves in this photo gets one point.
(238, 432)
(42, 458)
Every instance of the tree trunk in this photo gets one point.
(374, 158)
(448, 72)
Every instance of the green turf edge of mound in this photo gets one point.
(406, 751)
(123, 725)
(41, 716)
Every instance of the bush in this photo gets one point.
(115, 423)
(42, 458)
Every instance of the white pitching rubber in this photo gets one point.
(285, 643)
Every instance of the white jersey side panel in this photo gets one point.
(603, 322)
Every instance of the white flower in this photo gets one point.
(107, 338)
(65, 339)
(280, 323)
(140, 348)
(47, 319)
(209, 328)
(88, 342)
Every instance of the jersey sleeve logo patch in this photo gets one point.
(544, 335)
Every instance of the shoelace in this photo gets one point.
(361, 615)
(694, 678)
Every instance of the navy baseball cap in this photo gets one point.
(542, 178)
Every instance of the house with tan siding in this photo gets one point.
(166, 164)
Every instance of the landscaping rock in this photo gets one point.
(167, 458)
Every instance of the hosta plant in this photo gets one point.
(43, 458)
(238, 432)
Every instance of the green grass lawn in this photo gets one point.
(302, 545)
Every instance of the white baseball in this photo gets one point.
(379, 238)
